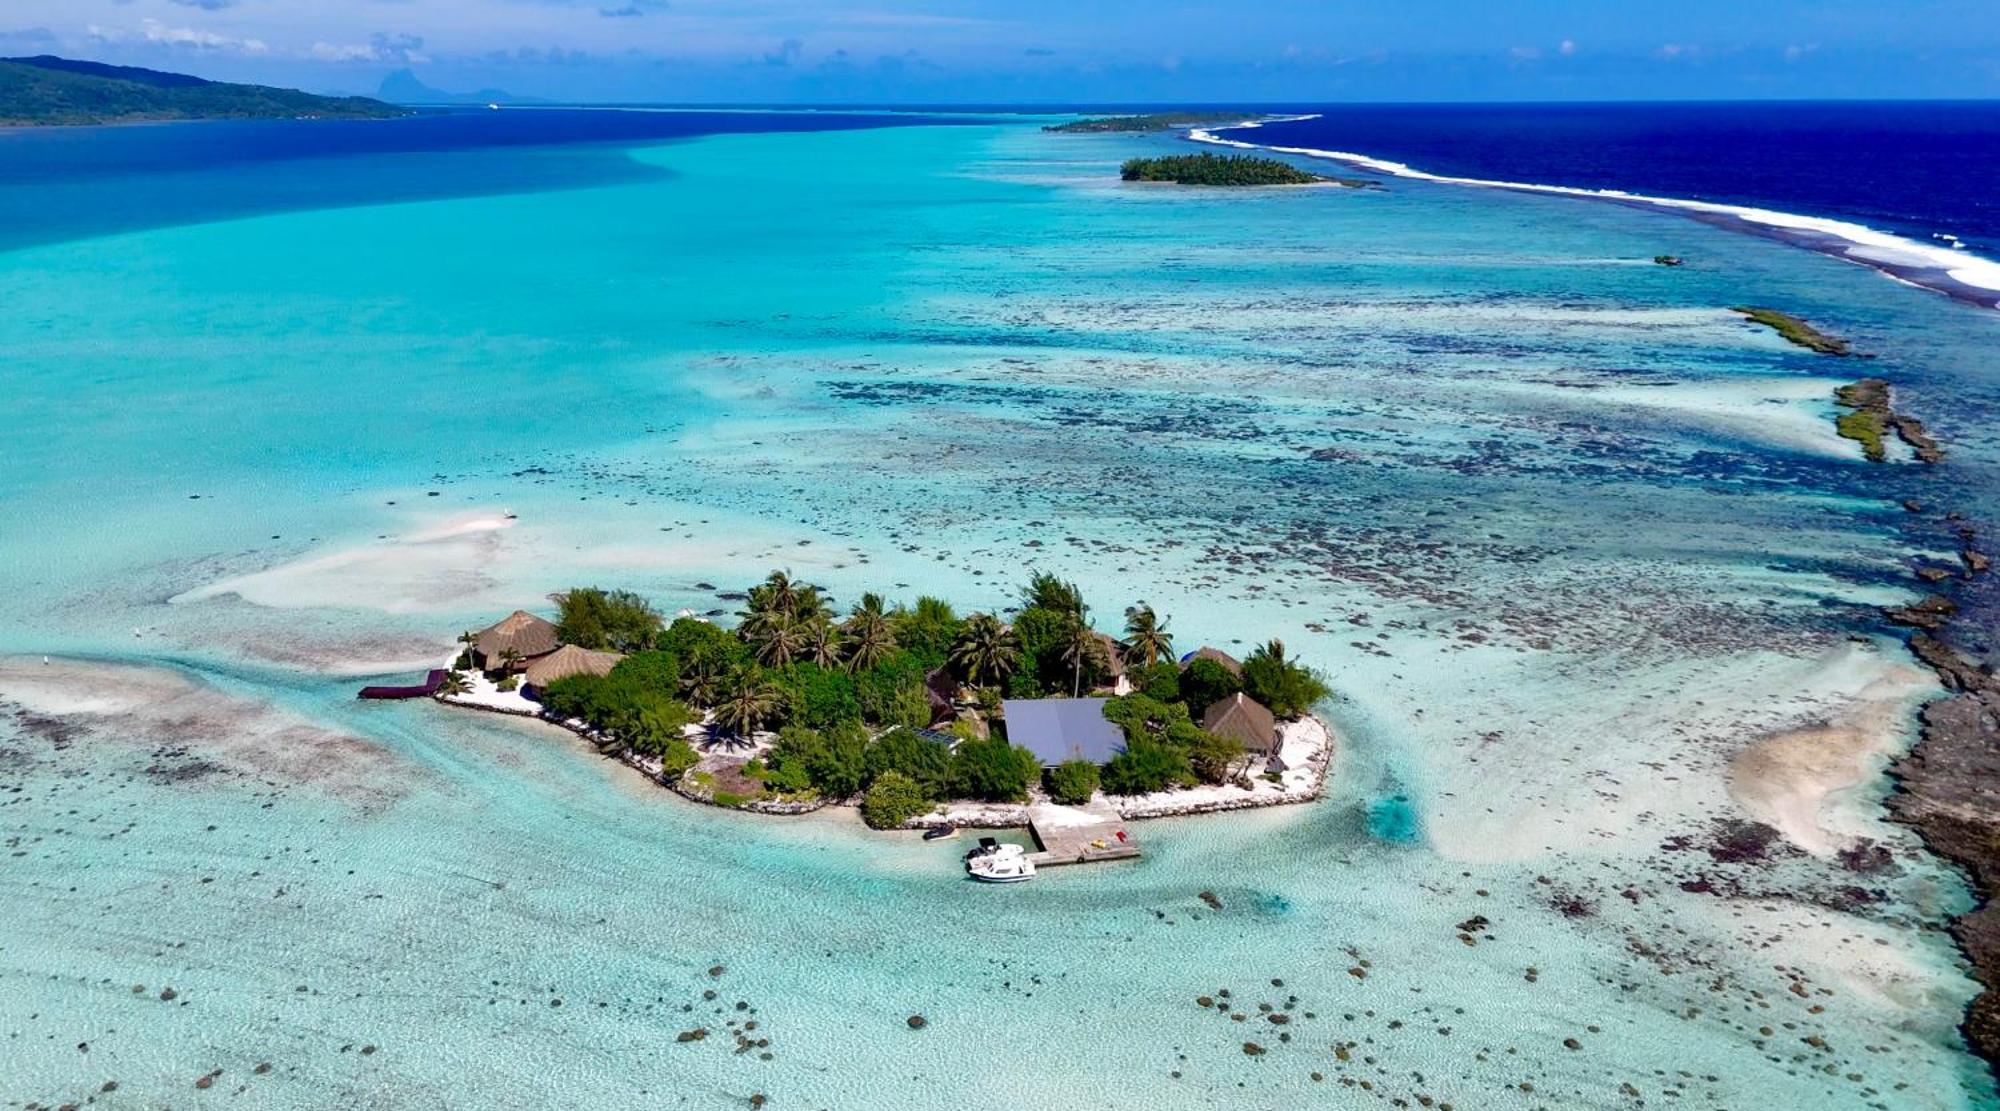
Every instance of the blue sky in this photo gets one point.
(941, 51)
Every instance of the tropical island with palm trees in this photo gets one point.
(916, 715)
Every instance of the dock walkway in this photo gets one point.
(1079, 834)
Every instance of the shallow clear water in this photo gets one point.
(1566, 534)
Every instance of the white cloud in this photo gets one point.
(1524, 53)
(191, 38)
(1567, 48)
(1795, 52)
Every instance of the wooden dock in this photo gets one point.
(1079, 834)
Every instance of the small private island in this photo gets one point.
(47, 91)
(1229, 170)
(918, 717)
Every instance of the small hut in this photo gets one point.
(1218, 655)
(567, 661)
(1114, 662)
(1242, 718)
(529, 636)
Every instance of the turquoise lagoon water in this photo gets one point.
(1567, 536)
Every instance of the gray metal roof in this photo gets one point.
(1058, 729)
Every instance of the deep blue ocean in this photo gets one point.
(1914, 168)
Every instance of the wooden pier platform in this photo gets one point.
(1079, 834)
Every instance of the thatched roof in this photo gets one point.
(1114, 653)
(522, 631)
(570, 660)
(1216, 654)
(1242, 718)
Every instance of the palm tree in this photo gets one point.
(748, 702)
(702, 682)
(778, 641)
(986, 652)
(454, 683)
(870, 638)
(808, 604)
(1045, 591)
(822, 643)
(1147, 639)
(1081, 649)
(509, 659)
(778, 592)
(471, 640)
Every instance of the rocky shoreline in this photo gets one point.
(1948, 784)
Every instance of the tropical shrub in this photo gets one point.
(1073, 782)
(1287, 688)
(591, 617)
(1160, 682)
(1147, 766)
(1211, 757)
(653, 669)
(1205, 682)
(923, 761)
(880, 688)
(992, 770)
(819, 697)
(676, 757)
(894, 798)
(927, 630)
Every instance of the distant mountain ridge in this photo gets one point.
(47, 90)
(404, 87)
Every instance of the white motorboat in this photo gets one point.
(1000, 864)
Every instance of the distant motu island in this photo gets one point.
(50, 91)
(1154, 121)
(1229, 170)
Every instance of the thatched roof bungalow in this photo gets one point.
(1228, 661)
(567, 661)
(529, 636)
(1242, 718)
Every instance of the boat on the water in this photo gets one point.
(999, 863)
(939, 833)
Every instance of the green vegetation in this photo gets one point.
(1164, 748)
(1072, 782)
(615, 620)
(1205, 682)
(1155, 121)
(892, 800)
(1217, 169)
(1795, 330)
(853, 700)
(991, 770)
(1285, 687)
(46, 91)
(1864, 426)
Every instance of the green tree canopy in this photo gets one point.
(992, 770)
(618, 620)
(894, 798)
(1148, 766)
(1287, 688)
(1204, 682)
(1073, 782)
(924, 761)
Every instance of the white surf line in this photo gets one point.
(1897, 256)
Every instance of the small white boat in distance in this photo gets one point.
(1001, 864)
